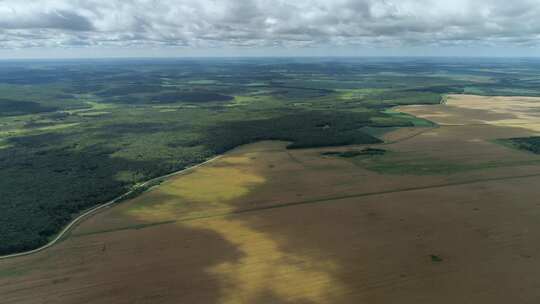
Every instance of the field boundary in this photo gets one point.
(100, 207)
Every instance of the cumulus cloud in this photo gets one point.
(266, 23)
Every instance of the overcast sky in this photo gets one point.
(110, 28)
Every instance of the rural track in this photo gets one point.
(359, 195)
(98, 208)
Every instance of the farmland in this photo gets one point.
(74, 134)
(456, 215)
(341, 180)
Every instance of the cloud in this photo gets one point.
(267, 23)
(62, 20)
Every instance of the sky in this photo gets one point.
(191, 28)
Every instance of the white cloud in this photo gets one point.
(263, 23)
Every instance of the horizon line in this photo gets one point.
(265, 57)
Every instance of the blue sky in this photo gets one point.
(179, 28)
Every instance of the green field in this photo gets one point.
(531, 144)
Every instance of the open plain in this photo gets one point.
(445, 215)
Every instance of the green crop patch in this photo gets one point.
(531, 144)
(412, 164)
(355, 153)
(435, 258)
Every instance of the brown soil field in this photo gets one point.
(445, 216)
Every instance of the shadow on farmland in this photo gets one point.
(174, 257)
(139, 266)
